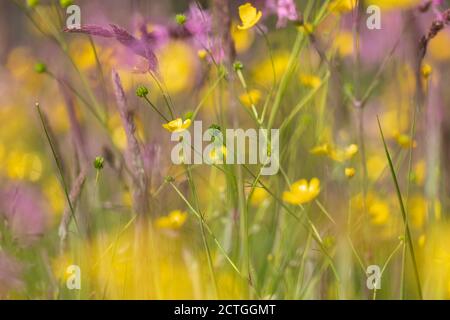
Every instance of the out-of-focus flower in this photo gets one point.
(377, 207)
(249, 16)
(309, 80)
(417, 211)
(342, 6)
(264, 70)
(419, 173)
(405, 141)
(198, 23)
(394, 120)
(376, 163)
(345, 154)
(321, 150)
(439, 48)
(24, 211)
(174, 220)
(177, 125)
(426, 70)
(10, 274)
(435, 261)
(141, 47)
(177, 66)
(250, 98)
(343, 43)
(394, 5)
(350, 172)
(336, 154)
(243, 39)
(302, 191)
(21, 63)
(379, 212)
(202, 53)
(23, 166)
(54, 195)
(259, 196)
(118, 133)
(284, 9)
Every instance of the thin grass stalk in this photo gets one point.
(404, 214)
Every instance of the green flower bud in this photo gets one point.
(180, 19)
(40, 67)
(215, 126)
(237, 65)
(65, 3)
(98, 162)
(188, 115)
(169, 179)
(32, 3)
(141, 91)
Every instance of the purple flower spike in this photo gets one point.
(139, 47)
(142, 47)
(93, 30)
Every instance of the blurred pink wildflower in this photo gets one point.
(22, 208)
(284, 9)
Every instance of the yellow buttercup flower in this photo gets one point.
(243, 39)
(394, 5)
(350, 172)
(417, 211)
(178, 66)
(24, 166)
(379, 212)
(427, 70)
(321, 150)
(439, 48)
(250, 98)
(177, 125)
(405, 141)
(343, 44)
(309, 80)
(202, 53)
(259, 196)
(419, 173)
(339, 155)
(344, 154)
(174, 220)
(302, 191)
(249, 16)
(342, 6)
